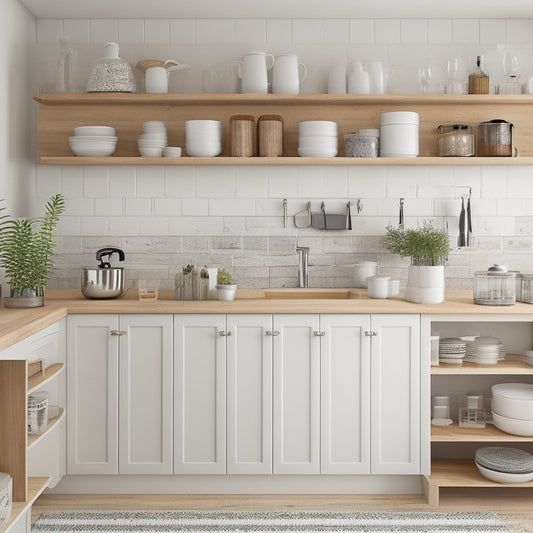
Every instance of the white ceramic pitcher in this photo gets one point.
(253, 72)
(286, 77)
(156, 78)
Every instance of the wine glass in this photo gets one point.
(452, 67)
(510, 64)
(424, 78)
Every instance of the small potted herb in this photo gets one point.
(225, 290)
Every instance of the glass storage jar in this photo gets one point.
(456, 140)
(494, 288)
(357, 145)
(526, 289)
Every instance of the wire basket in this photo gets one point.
(37, 413)
(6, 496)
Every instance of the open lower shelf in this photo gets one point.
(36, 485)
(458, 473)
(38, 380)
(454, 433)
(32, 439)
(285, 161)
(512, 364)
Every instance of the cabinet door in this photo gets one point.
(145, 421)
(345, 394)
(296, 395)
(395, 394)
(199, 394)
(249, 394)
(92, 394)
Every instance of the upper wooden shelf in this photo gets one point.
(38, 380)
(511, 365)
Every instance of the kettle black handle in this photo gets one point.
(109, 252)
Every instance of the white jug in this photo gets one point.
(156, 78)
(253, 72)
(286, 77)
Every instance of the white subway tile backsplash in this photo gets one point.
(78, 30)
(519, 31)
(211, 31)
(182, 31)
(361, 31)
(123, 226)
(108, 207)
(104, 30)
(250, 31)
(387, 31)
(150, 182)
(68, 226)
(231, 207)
(414, 31)
(282, 182)
(269, 208)
(138, 207)
(403, 182)
(492, 31)
(157, 31)
(251, 182)
(465, 31)
(336, 31)
(278, 31)
(95, 182)
(367, 182)
(195, 207)
(72, 181)
(234, 225)
(154, 225)
(49, 31)
(180, 226)
(48, 181)
(121, 181)
(440, 31)
(519, 182)
(509, 207)
(180, 182)
(131, 31)
(206, 225)
(322, 182)
(94, 225)
(167, 207)
(215, 182)
(79, 207)
(308, 31)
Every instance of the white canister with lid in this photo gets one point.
(364, 270)
(399, 134)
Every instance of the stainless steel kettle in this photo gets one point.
(104, 281)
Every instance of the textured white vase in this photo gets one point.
(425, 284)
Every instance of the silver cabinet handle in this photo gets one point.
(273, 333)
(371, 333)
(225, 333)
(319, 333)
(117, 333)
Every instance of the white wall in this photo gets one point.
(17, 169)
(164, 217)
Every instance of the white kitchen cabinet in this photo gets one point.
(297, 394)
(395, 394)
(144, 372)
(200, 394)
(345, 394)
(145, 399)
(249, 394)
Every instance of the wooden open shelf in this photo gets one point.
(458, 473)
(511, 365)
(32, 439)
(454, 433)
(58, 114)
(36, 381)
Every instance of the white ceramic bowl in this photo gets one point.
(204, 149)
(514, 426)
(154, 126)
(486, 341)
(149, 144)
(151, 152)
(316, 152)
(172, 151)
(513, 400)
(88, 139)
(317, 127)
(504, 477)
(94, 130)
(95, 150)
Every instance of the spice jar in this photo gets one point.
(495, 138)
(270, 135)
(242, 129)
(357, 145)
(456, 140)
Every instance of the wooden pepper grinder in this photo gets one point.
(478, 81)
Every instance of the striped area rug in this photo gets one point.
(267, 522)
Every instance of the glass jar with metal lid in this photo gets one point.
(495, 286)
(456, 140)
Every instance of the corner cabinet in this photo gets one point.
(59, 114)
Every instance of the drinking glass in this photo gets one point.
(424, 78)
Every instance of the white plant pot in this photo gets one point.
(425, 284)
(226, 292)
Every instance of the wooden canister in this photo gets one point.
(242, 133)
(270, 135)
(478, 84)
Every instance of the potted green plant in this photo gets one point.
(225, 290)
(26, 247)
(428, 248)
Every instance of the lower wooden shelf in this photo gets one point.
(36, 485)
(454, 433)
(458, 473)
(32, 439)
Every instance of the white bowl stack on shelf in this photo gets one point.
(153, 139)
(452, 350)
(504, 465)
(512, 408)
(93, 141)
(204, 138)
(317, 138)
(485, 350)
(527, 357)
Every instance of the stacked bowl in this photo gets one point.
(485, 350)
(317, 138)
(153, 139)
(204, 138)
(512, 408)
(93, 141)
(504, 465)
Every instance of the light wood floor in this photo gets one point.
(516, 503)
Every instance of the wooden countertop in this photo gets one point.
(17, 324)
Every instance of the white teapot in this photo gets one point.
(157, 76)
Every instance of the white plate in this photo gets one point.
(504, 477)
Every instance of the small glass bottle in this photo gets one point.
(478, 81)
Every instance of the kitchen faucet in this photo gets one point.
(303, 266)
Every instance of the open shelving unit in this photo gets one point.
(59, 114)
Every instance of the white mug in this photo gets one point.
(337, 81)
(286, 77)
(156, 78)
(378, 286)
(253, 72)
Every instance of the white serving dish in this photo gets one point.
(98, 131)
(316, 152)
(514, 426)
(513, 400)
(504, 477)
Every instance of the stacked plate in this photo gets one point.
(504, 465)
(485, 350)
(317, 138)
(153, 139)
(527, 357)
(93, 141)
(452, 350)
